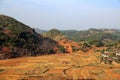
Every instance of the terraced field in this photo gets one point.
(59, 67)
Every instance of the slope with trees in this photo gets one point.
(17, 39)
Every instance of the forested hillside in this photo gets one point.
(17, 39)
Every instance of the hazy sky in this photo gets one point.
(64, 14)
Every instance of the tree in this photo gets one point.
(62, 49)
(97, 43)
(50, 51)
(86, 44)
(33, 30)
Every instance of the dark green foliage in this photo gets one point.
(4, 38)
(97, 43)
(33, 30)
(14, 55)
(51, 51)
(102, 51)
(84, 49)
(25, 35)
(73, 48)
(86, 44)
(2, 35)
(12, 24)
(62, 49)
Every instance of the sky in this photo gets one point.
(64, 14)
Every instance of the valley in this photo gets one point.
(25, 54)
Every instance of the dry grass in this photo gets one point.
(58, 67)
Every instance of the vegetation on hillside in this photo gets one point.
(21, 40)
(98, 37)
(93, 34)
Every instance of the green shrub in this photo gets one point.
(62, 49)
(86, 44)
(97, 43)
(51, 51)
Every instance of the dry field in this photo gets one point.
(75, 66)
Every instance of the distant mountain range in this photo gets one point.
(17, 40)
(92, 34)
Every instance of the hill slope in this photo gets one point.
(17, 39)
(65, 43)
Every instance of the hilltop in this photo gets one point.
(18, 39)
(55, 34)
(65, 43)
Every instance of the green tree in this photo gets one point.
(62, 49)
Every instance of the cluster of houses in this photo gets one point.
(109, 56)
